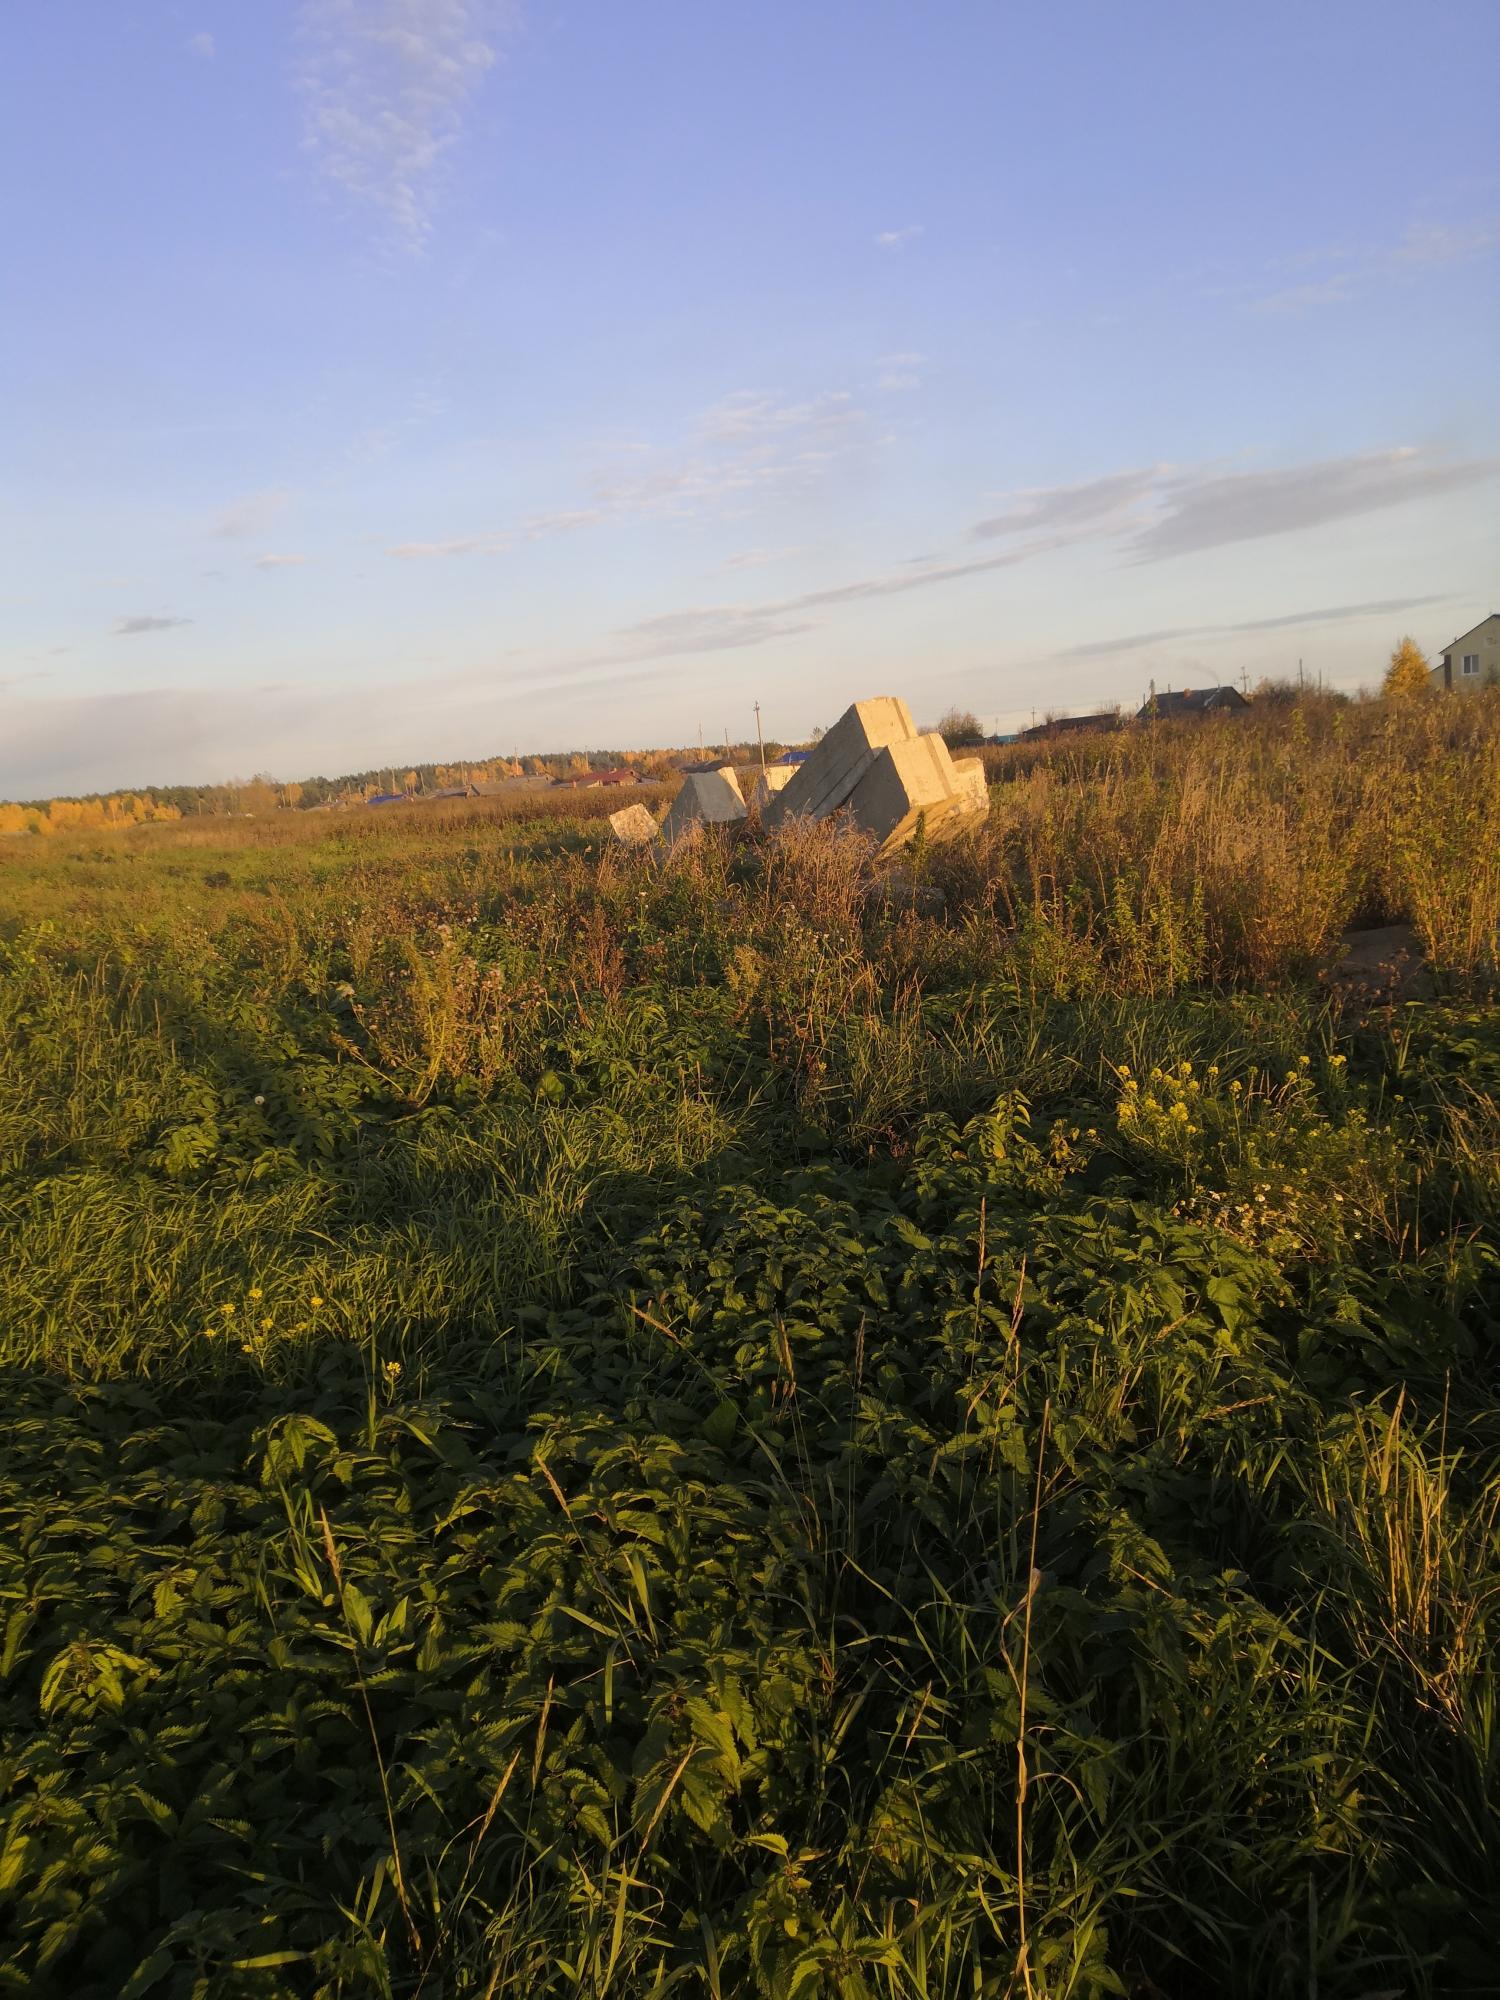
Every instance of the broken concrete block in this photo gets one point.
(915, 781)
(707, 798)
(845, 754)
(775, 778)
(634, 825)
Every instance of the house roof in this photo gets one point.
(582, 780)
(1472, 631)
(1194, 701)
(1066, 725)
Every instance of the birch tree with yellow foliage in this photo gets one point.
(1408, 672)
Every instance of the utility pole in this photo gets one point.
(759, 738)
(700, 742)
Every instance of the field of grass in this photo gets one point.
(584, 1426)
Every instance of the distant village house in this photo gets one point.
(1069, 725)
(589, 781)
(1472, 660)
(1192, 701)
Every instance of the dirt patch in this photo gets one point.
(1379, 968)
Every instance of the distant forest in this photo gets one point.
(264, 794)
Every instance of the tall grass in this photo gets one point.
(590, 1424)
(1272, 832)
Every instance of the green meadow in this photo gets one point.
(578, 1424)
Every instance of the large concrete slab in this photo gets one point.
(912, 782)
(634, 825)
(707, 798)
(845, 754)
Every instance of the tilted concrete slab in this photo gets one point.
(845, 754)
(912, 782)
(707, 798)
(903, 780)
(635, 825)
(775, 778)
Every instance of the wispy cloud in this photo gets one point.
(280, 562)
(1337, 614)
(202, 45)
(1340, 273)
(897, 239)
(718, 627)
(759, 413)
(146, 622)
(713, 628)
(462, 545)
(1157, 511)
(385, 85)
(18, 680)
(251, 515)
(1093, 505)
(539, 526)
(1210, 511)
(900, 371)
(762, 558)
(536, 528)
(752, 443)
(1195, 511)
(748, 444)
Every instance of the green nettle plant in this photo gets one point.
(578, 1425)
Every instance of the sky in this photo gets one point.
(393, 380)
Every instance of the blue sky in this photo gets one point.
(392, 379)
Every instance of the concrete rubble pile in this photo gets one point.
(876, 765)
(707, 798)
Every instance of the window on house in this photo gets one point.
(1471, 663)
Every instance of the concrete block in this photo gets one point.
(707, 798)
(973, 784)
(775, 778)
(915, 781)
(846, 753)
(904, 779)
(634, 825)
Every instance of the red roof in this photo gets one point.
(581, 780)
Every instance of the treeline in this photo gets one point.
(238, 797)
(72, 815)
